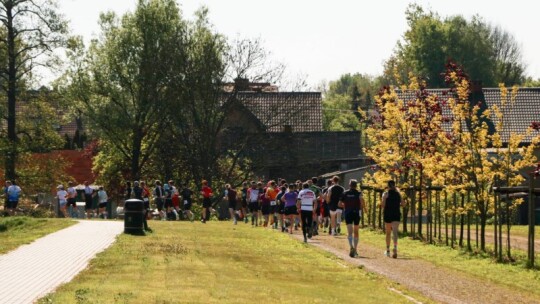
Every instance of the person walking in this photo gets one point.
(13, 192)
(391, 203)
(72, 201)
(103, 199)
(88, 199)
(146, 201)
(159, 196)
(253, 196)
(186, 195)
(62, 195)
(230, 196)
(306, 205)
(207, 194)
(290, 209)
(333, 196)
(352, 203)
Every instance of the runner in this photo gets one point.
(290, 209)
(253, 196)
(352, 202)
(271, 195)
(186, 194)
(159, 196)
(265, 205)
(306, 204)
(333, 196)
(281, 207)
(88, 198)
(244, 201)
(230, 196)
(168, 189)
(325, 210)
(206, 193)
(259, 212)
(313, 187)
(391, 203)
(102, 199)
(146, 200)
(175, 199)
(72, 201)
(62, 195)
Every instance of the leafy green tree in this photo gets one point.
(345, 98)
(489, 53)
(124, 84)
(31, 31)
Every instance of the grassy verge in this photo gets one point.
(18, 230)
(475, 264)
(219, 262)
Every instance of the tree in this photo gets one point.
(31, 31)
(124, 84)
(487, 52)
(344, 100)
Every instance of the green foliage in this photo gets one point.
(488, 53)
(345, 99)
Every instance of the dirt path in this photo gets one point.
(440, 284)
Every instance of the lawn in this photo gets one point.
(219, 262)
(19, 230)
(479, 265)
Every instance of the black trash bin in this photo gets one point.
(134, 216)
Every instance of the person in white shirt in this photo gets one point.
(72, 201)
(306, 203)
(61, 195)
(103, 199)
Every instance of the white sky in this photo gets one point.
(324, 39)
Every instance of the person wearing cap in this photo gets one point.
(61, 195)
(88, 198)
(103, 199)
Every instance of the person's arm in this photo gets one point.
(383, 200)
(328, 194)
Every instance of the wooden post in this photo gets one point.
(531, 220)
(446, 215)
(495, 218)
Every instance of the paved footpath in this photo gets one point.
(33, 270)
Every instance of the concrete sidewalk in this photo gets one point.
(33, 270)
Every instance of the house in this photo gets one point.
(285, 133)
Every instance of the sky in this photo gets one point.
(325, 39)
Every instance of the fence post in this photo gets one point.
(531, 220)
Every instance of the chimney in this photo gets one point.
(241, 84)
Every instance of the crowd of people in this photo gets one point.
(278, 205)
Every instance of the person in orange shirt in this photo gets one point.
(271, 194)
(206, 193)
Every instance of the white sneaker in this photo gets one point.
(387, 253)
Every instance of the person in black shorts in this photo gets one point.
(230, 196)
(352, 202)
(244, 201)
(281, 207)
(391, 203)
(72, 200)
(326, 208)
(253, 199)
(333, 196)
(88, 199)
(159, 199)
(186, 194)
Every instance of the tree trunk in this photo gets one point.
(136, 154)
(12, 153)
(483, 218)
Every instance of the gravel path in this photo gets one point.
(31, 271)
(438, 283)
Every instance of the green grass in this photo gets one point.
(519, 230)
(19, 230)
(221, 263)
(475, 264)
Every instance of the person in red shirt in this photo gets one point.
(206, 193)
